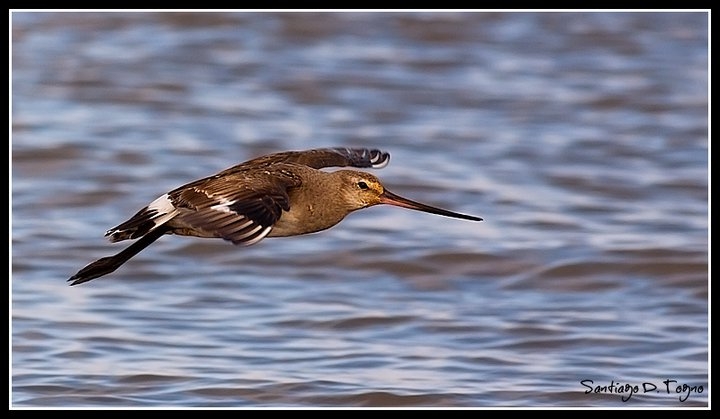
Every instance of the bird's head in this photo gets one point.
(361, 190)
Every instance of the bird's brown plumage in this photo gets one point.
(281, 194)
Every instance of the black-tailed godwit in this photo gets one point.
(278, 195)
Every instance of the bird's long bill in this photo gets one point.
(390, 198)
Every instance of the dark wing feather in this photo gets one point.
(319, 158)
(241, 207)
(340, 157)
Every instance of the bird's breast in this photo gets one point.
(305, 218)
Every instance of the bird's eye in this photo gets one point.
(362, 185)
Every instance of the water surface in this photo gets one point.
(580, 138)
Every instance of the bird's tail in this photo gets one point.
(106, 265)
(159, 212)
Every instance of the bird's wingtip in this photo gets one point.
(379, 159)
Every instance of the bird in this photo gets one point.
(276, 195)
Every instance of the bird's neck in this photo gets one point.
(315, 206)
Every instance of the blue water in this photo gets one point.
(580, 138)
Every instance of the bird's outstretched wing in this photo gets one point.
(320, 158)
(241, 207)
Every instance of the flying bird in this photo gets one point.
(277, 195)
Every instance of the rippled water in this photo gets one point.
(581, 139)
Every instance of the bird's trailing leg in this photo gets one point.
(108, 264)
